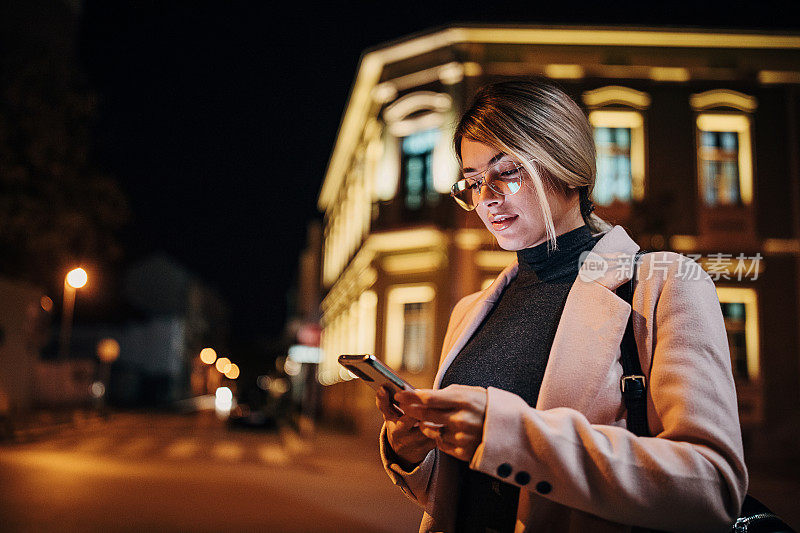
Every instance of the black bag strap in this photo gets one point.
(633, 382)
(754, 515)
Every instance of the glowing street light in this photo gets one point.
(208, 356)
(223, 401)
(107, 351)
(223, 365)
(75, 279)
(233, 372)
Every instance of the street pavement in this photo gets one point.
(190, 473)
(157, 472)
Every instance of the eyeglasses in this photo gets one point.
(503, 178)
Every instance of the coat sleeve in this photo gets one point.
(415, 484)
(690, 476)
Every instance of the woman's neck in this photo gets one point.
(551, 264)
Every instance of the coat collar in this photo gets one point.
(593, 320)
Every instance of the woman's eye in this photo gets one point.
(509, 173)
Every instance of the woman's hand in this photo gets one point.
(403, 433)
(453, 417)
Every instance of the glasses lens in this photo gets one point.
(505, 177)
(463, 192)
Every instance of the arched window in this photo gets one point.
(724, 147)
(409, 326)
(416, 157)
(615, 114)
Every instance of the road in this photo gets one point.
(157, 472)
(171, 473)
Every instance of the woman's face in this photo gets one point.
(516, 220)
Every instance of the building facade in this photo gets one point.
(697, 152)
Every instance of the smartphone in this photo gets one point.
(373, 372)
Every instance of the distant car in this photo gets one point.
(250, 417)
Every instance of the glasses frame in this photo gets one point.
(480, 180)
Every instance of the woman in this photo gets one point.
(525, 426)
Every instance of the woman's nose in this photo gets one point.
(488, 197)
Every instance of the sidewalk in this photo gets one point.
(41, 424)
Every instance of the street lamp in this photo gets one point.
(108, 352)
(223, 365)
(208, 356)
(75, 279)
(233, 371)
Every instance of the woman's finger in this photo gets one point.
(452, 397)
(421, 412)
(459, 452)
(406, 423)
(385, 406)
(458, 438)
(429, 432)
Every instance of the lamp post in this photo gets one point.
(208, 356)
(74, 280)
(107, 352)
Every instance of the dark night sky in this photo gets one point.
(218, 118)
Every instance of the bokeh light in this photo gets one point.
(233, 371)
(97, 389)
(208, 355)
(223, 401)
(263, 382)
(223, 365)
(108, 350)
(291, 367)
(77, 278)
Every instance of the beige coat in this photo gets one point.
(578, 466)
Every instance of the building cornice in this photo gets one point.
(373, 62)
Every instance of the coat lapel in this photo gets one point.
(585, 352)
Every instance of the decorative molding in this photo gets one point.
(723, 98)
(774, 77)
(616, 94)
(372, 65)
(781, 246)
(683, 243)
(564, 72)
(417, 101)
(413, 262)
(678, 74)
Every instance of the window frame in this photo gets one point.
(748, 297)
(396, 298)
(726, 121)
(633, 120)
(619, 106)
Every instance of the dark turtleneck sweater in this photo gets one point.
(509, 351)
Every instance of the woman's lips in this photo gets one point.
(499, 223)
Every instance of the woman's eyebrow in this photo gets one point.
(493, 160)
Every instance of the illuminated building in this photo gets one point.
(697, 140)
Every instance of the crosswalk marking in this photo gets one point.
(293, 442)
(183, 444)
(227, 450)
(93, 445)
(182, 449)
(137, 446)
(273, 454)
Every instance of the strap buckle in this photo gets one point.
(627, 381)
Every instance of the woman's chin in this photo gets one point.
(511, 245)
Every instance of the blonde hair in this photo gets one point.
(534, 119)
